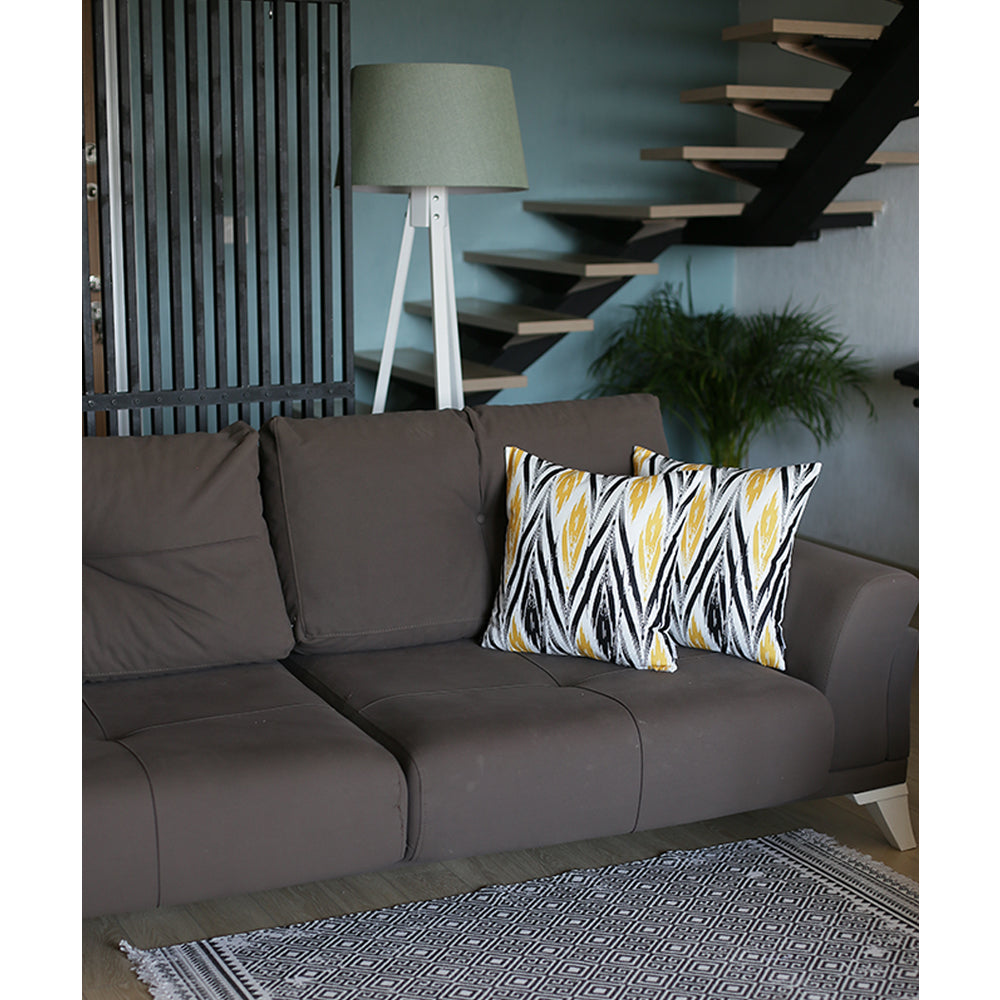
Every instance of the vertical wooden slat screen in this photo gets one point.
(130, 297)
(219, 231)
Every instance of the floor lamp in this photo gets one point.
(430, 130)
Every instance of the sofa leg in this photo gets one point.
(890, 808)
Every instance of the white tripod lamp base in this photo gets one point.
(427, 208)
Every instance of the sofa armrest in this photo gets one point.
(846, 628)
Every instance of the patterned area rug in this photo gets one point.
(795, 916)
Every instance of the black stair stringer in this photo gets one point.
(878, 95)
(846, 53)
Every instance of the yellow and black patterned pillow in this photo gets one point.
(730, 578)
(587, 561)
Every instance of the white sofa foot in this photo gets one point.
(890, 808)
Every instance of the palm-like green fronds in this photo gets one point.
(728, 377)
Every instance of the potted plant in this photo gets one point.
(728, 377)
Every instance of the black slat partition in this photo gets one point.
(226, 262)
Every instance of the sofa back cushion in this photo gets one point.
(376, 522)
(595, 435)
(178, 572)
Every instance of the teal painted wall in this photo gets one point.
(594, 83)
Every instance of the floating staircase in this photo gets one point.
(840, 132)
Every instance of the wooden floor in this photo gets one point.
(106, 972)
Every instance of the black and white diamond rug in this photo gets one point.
(795, 916)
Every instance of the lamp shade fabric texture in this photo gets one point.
(435, 125)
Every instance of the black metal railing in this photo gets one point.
(223, 257)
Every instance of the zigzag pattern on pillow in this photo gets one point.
(587, 563)
(730, 578)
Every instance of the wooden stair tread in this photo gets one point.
(756, 153)
(777, 29)
(652, 211)
(794, 107)
(727, 92)
(415, 365)
(853, 207)
(553, 262)
(645, 211)
(510, 317)
(890, 157)
(762, 153)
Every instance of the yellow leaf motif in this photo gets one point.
(640, 455)
(695, 639)
(566, 483)
(768, 653)
(515, 456)
(583, 647)
(659, 657)
(694, 525)
(765, 539)
(574, 535)
(516, 640)
(651, 548)
(638, 492)
(755, 486)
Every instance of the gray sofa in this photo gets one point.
(283, 680)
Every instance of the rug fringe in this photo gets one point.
(888, 873)
(144, 967)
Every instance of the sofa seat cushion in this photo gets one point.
(178, 571)
(503, 750)
(721, 735)
(377, 526)
(119, 827)
(497, 754)
(250, 779)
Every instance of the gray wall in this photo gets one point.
(868, 281)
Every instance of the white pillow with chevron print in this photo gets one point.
(587, 561)
(730, 577)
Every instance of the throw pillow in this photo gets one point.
(730, 577)
(586, 565)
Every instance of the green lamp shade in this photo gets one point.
(435, 125)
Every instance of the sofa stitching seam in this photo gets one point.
(357, 717)
(287, 527)
(156, 817)
(96, 718)
(216, 717)
(887, 580)
(642, 751)
(849, 611)
(314, 636)
(383, 699)
(170, 549)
